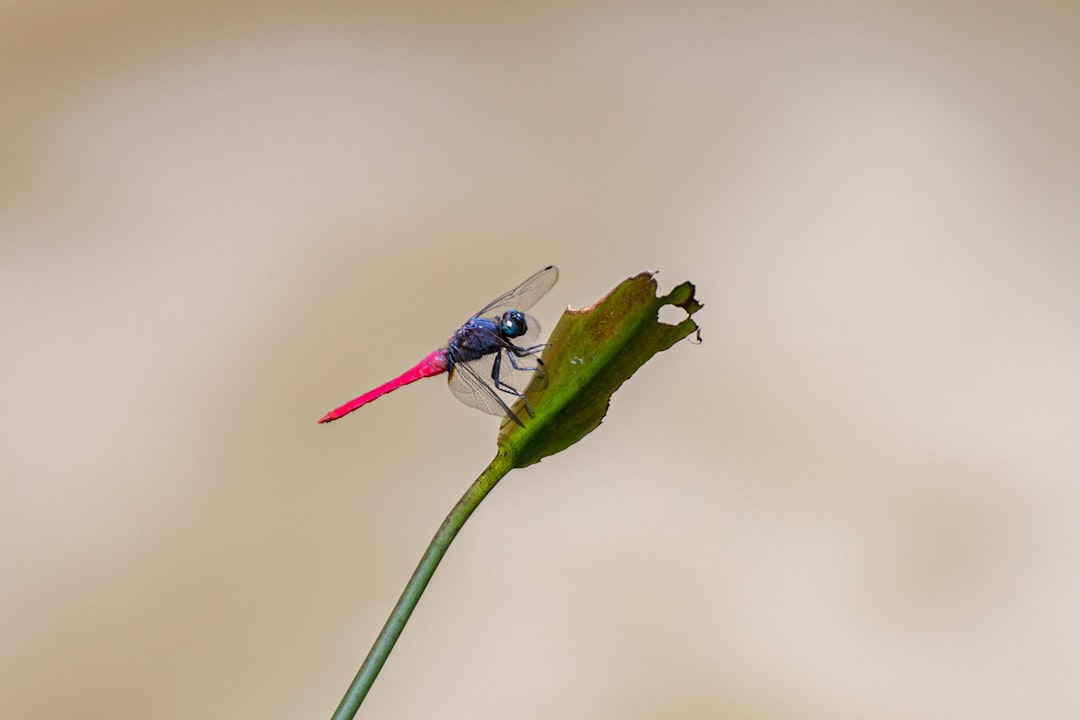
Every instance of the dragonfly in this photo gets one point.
(486, 367)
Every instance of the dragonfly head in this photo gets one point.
(512, 324)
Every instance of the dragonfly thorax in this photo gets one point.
(512, 324)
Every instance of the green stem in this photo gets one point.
(453, 523)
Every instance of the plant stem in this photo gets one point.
(438, 546)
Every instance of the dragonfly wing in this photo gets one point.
(524, 296)
(532, 332)
(470, 387)
(473, 382)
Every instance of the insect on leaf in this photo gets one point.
(591, 352)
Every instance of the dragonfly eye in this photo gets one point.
(513, 324)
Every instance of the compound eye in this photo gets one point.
(513, 324)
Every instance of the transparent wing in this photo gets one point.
(470, 388)
(524, 296)
(532, 332)
(472, 382)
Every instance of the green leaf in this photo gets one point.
(590, 353)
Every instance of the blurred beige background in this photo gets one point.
(857, 498)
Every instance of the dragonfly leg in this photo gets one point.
(522, 352)
(512, 357)
(508, 389)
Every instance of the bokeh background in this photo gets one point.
(857, 498)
